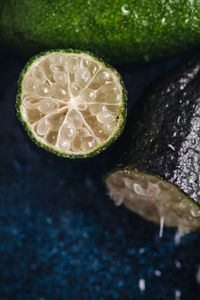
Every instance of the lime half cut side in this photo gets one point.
(154, 199)
(71, 103)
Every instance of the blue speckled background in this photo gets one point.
(61, 237)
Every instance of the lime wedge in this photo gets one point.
(71, 103)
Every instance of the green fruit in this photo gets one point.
(71, 103)
(121, 31)
(157, 170)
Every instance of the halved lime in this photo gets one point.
(154, 199)
(71, 103)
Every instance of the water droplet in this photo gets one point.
(142, 285)
(125, 11)
(157, 273)
(177, 294)
(171, 147)
(163, 21)
(177, 264)
(179, 120)
(194, 142)
(161, 227)
(141, 250)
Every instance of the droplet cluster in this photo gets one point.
(71, 102)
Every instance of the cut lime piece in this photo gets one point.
(157, 162)
(71, 103)
(154, 199)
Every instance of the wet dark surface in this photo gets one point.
(61, 237)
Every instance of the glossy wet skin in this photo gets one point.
(120, 31)
(153, 199)
(71, 102)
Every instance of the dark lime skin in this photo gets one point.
(120, 31)
(165, 140)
